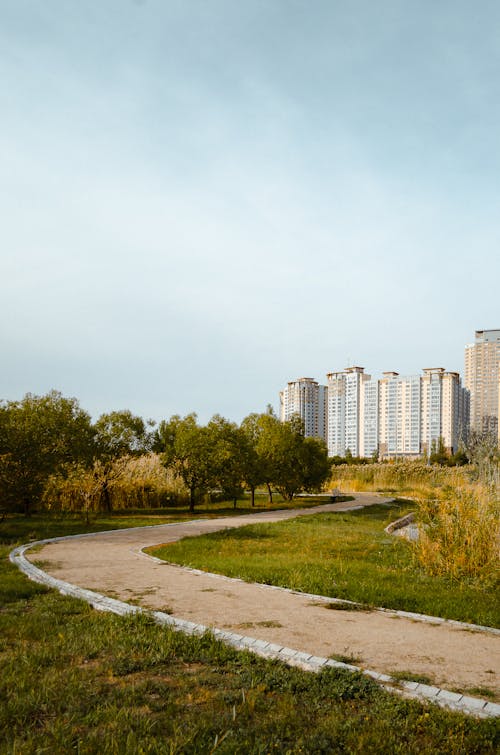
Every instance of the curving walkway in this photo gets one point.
(274, 622)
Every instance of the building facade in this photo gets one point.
(306, 398)
(345, 403)
(482, 379)
(398, 416)
(445, 410)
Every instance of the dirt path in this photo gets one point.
(113, 564)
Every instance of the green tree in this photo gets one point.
(252, 462)
(294, 463)
(315, 464)
(439, 454)
(227, 457)
(40, 436)
(122, 433)
(118, 434)
(187, 450)
(267, 432)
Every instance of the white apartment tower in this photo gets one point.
(416, 412)
(399, 415)
(345, 406)
(482, 378)
(369, 419)
(307, 399)
(445, 410)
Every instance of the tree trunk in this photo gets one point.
(27, 507)
(253, 496)
(191, 499)
(106, 497)
(270, 492)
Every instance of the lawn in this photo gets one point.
(341, 555)
(77, 680)
(16, 528)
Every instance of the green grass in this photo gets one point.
(16, 528)
(77, 680)
(341, 555)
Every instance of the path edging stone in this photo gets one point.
(424, 693)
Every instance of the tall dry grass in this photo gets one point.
(457, 509)
(459, 533)
(130, 483)
(409, 478)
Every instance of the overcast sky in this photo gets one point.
(203, 199)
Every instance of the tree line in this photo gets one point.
(52, 455)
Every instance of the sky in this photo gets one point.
(201, 200)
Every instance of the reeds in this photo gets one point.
(457, 509)
(459, 533)
(129, 482)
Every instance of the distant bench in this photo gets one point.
(329, 495)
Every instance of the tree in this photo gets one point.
(40, 436)
(267, 430)
(187, 449)
(439, 454)
(294, 463)
(316, 467)
(122, 434)
(118, 434)
(252, 462)
(227, 457)
(484, 453)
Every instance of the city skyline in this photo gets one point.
(394, 416)
(201, 200)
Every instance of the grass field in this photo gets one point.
(76, 680)
(18, 528)
(342, 555)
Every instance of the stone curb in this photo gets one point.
(422, 692)
(400, 523)
(325, 599)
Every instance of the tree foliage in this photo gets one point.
(187, 450)
(40, 436)
(121, 433)
(51, 453)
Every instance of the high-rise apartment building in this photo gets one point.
(307, 399)
(445, 410)
(345, 402)
(369, 419)
(482, 378)
(399, 416)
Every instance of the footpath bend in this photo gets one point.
(113, 563)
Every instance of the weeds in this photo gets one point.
(346, 556)
(349, 658)
(78, 680)
(409, 676)
(458, 512)
(459, 534)
(346, 605)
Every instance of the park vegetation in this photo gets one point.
(343, 555)
(53, 457)
(75, 679)
(78, 680)
(457, 508)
